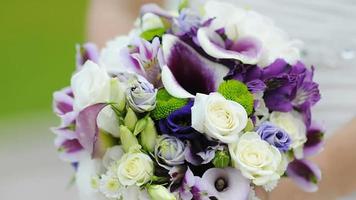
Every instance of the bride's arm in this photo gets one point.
(338, 165)
(109, 18)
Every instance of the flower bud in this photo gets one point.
(151, 21)
(128, 140)
(169, 151)
(221, 159)
(130, 119)
(141, 95)
(158, 192)
(117, 94)
(149, 136)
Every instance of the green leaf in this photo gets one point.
(150, 34)
(183, 4)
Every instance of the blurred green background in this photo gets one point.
(37, 51)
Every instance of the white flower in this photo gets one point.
(135, 169)
(87, 169)
(90, 85)
(135, 193)
(151, 21)
(293, 124)
(256, 159)
(93, 85)
(110, 186)
(242, 23)
(218, 118)
(110, 54)
(112, 155)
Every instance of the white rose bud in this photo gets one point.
(135, 168)
(293, 124)
(257, 160)
(158, 192)
(141, 95)
(218, 117)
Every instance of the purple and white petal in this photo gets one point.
(315, 140)
(227, 183)
(155, 9)
(88, 51)
(305, 174)
(187, 72)
(246, 50)
(88, 131)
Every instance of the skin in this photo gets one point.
(109, 18)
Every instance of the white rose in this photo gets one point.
(218, 118)
(293, 124)
(90, 85)
(257, 160)
(135, 169)
(239, 23)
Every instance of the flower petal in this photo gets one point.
(187, 72)
(305, 174)
(238, 186)
(155, 9)
(315, 142)
(246, 50)
(88, 131)
(88, 51)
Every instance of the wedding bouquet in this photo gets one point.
(205, 102)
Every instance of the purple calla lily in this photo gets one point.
(94, 141)
(186, 72)
(227, 183)
(247, 50)
(305, 174)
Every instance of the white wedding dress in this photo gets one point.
(328, 30)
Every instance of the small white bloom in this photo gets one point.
(257, 160)
(218, 117)
(90, 85)
(293, 124)
(110, 186)
(87, 169)
(95, 182)
(112, 155)
(151, 21)
(135, 169)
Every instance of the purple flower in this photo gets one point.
(227, 183)
(178, 124)
(290, 87)
(199, 149)
(192, 187)
(144, 58)
(274, 136)
(305, 174)
(315, 140)
(88, 51)
(248, 74)
(66, 141)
